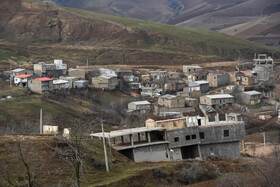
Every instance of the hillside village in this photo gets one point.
(190, 113)
(88, 98)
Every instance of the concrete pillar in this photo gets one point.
(187, 121)
(207, 120)
(131, 139)
(199, 151)
(236, 118)
(242, 146)
(217, 118)
(139, 138)
(227, 118)
(122, 139)
(149, 137)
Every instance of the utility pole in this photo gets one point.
(10, 74)
(264, 143)
(87, 63)
(105, 152)
(41, 121)
(111, 162)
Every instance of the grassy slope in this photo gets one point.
(23, 106)
(194, 35)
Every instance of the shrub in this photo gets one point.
(197, 172)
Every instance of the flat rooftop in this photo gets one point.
(125, 132)
(167, 96)
(253, 92)
(192, 67)
(60, 82)
(141, 103)
(219, 96)
(18, 70)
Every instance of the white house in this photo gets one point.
(22, 79)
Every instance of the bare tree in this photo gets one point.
(267, 169)
(28, 167)
(75, 155)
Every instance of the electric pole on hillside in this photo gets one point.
(10, 74)
(111, 159)
(41, 121)
(104, 145)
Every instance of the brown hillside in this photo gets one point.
(32, 31)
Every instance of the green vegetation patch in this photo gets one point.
(199, 36)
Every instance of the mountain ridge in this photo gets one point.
(28, 27)
(208, 14)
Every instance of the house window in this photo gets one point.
(226, 133)
(178, 101)
(193, 136)
(176, 139)
(188, 137)
(201, 135)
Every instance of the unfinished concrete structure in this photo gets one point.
(156, 142)
(217, 101)
(264, 61)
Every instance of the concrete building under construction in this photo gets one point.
(179, 139)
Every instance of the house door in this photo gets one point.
(189, 152)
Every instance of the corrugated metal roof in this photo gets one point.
(60, 82)
(44, 79)
(23, 76)
(197, 83)
(18, 70)
(81, 81)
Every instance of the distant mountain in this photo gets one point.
(208, 14)
(35, 31)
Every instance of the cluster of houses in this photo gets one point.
(49, 77)
(174, 91)
(189, 108)
(210, 91)
(174, 132)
